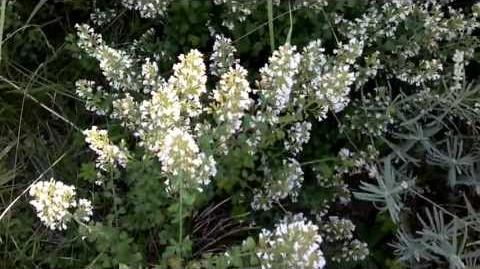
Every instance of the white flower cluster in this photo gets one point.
(92, 95)
(232, 96)
(126, 110)
(352, 251)
(297, 135)
(164, 121)
(295, 86)
(329, 80)
(175, 118)
(108, 155)
(236, 9)
(223, 55)
(313, 63)
(376, 107)
(358, 162)
(336, 229)
(458, 70)
(188, 81)
(294, 243)
(378, 23)
(239, 10)
(338, 234)
(428, 70)
(151, 80)
(370, 70)
(102, 17)
(180, 156)
(84, 210)
(313, 60)
(348, 53)
(440, 25)
(476, 10)
(157, 115)
(140, 46)
(55, 202)
(231, 100)
(313, 4)
(340, 190)
(116, 65)
(148, 8)
(278, 78)
(275, 90)
(88, 40)
(279, 185)
(334, 87)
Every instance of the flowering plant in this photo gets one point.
(219, 161)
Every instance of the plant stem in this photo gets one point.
(180, 211)
(270, 24)
(319, 161)
(290, 30)
(331, 26)
(115, 206)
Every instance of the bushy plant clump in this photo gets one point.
(190, 132)
(216, 154)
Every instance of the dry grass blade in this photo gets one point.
(6, 150)
(214, 225)
(2, 24)
(41, 104)
(38, 6)
(7, 175)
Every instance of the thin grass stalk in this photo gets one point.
(2, 24)
(270, 24)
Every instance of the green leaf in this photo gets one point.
(88, 172)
